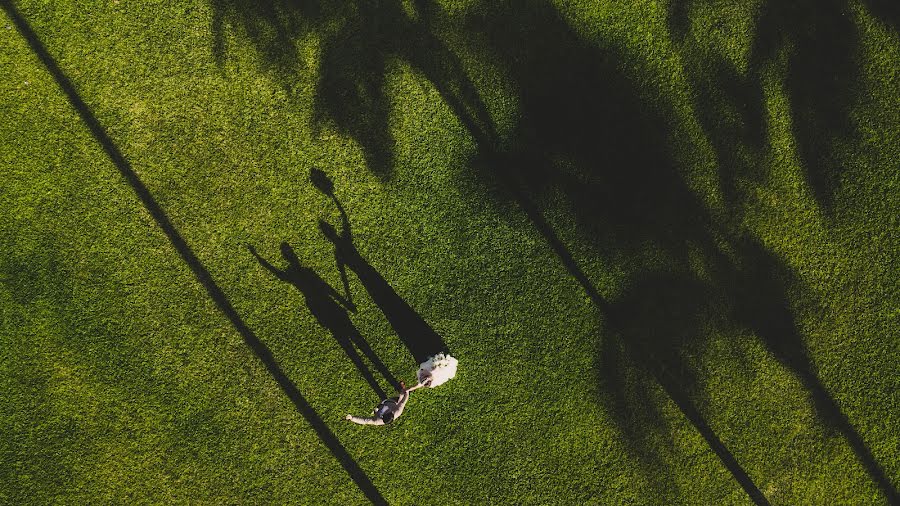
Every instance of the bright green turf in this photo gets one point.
(121, 381)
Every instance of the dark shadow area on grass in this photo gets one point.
(626, 192)
(888, 11)
(816, 43)
(822, 80)
(620, 181)
(624, 188)
(330, 309)
(585, 131)
(731, 109)
(661, 317)
(589, 129)
(272, 26)
(763, 293)
(416, 334)
(359, 41)
(652, 332)
(187, 254)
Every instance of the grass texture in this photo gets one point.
(662, 239)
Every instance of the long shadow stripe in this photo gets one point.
(202, 275)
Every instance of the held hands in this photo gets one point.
(418, 386)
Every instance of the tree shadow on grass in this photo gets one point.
(817, 44)
(583, 131)
(601, 138)
(659, 322)
(358, 41)
(637, 354)
(273, 27)
(627, 195)
(888, 11)
(760, 290)
(190, 258)
(330, 309)
(822, 81)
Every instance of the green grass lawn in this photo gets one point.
(662, 239)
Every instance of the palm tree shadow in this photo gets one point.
(622, 183)
(821, 77)
(330, 309)
(272, 27)
(351, 91)
(626, 189)
(759, 291)
(651, 331)
(818, 44)
(656, 326)
(358, 40)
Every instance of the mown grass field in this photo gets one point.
(662, 239)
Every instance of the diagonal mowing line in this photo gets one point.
(200, 272)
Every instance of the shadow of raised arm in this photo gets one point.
(280, 274)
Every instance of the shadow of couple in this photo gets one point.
(332, 308)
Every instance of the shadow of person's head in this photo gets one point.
(288, 253)
(329, 231)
